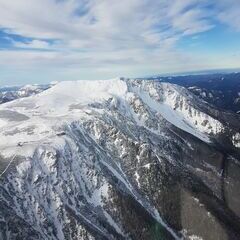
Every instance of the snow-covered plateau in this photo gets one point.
(117, 159)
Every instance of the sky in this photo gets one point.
(55, 40)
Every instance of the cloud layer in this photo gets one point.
(110, 37)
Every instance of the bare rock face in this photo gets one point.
(118, 159)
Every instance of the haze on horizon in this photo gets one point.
(54, 40)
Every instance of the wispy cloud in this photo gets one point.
(125, 35)
(33, 44)
(229, 13)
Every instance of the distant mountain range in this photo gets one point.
(8, 94)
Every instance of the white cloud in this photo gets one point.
(34, 44)
(104, 23)
(126, 35)
(229, 13)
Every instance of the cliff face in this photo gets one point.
(117, 159)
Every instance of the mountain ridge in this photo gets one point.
(113, 159)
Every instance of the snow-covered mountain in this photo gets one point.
(118, 159)
(220, 89)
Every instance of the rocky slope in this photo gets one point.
(220, 89)
(118, 159)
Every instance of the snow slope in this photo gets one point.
(69, 101)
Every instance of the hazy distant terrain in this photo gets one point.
(8, 94)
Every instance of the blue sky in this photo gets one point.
(55, 40)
